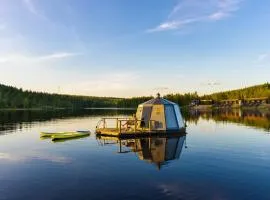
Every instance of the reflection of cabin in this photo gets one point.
(155, 116)
(160, 150)
(154, 150)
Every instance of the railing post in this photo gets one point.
(103, 122)
(117, 123)
(149, 125)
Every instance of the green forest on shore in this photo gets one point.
(14, 98)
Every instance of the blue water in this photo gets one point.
(217, 159)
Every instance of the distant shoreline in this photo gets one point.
(54, 109)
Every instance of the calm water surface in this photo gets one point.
(225, 155)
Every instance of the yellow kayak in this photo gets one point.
(70, 135)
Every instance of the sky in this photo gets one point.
(127, 48)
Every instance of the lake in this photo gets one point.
(224, 155)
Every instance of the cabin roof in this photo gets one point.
(159, 101)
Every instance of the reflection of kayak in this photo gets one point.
(69, 135)
(50, 134)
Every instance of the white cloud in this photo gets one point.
(193, 11)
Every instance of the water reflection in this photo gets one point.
(252, 118)
(16, 120)
(158, 151)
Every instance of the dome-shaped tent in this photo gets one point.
(163, 115)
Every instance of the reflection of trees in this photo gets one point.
(154, 150)
(12, 120)
(253, 118)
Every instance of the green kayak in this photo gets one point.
(69, 135)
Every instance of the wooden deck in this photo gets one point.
(113, 132)
(127, 127)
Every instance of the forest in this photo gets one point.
(257, 91)
(14, 98)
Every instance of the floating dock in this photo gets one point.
(129, 128)
(157, 116)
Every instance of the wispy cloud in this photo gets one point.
(34, 156)
(2, 27)
(31, 7)
(188, 12)
(59, 55)
(211, 83)
(20, 58)
(263, 57)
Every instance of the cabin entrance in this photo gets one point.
(146, 115)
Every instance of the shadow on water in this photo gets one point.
(250, 118)
(158, 151)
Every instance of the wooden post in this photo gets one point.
(117, 123)
(135, 125)
(149, 124)
(120, 126)
(103, 122)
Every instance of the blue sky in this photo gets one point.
(134, 47)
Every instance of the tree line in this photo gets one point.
(257, 91)
(12, 97)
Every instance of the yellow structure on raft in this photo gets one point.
(156, 116)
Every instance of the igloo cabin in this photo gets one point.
(162, 114)
(155, 116)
